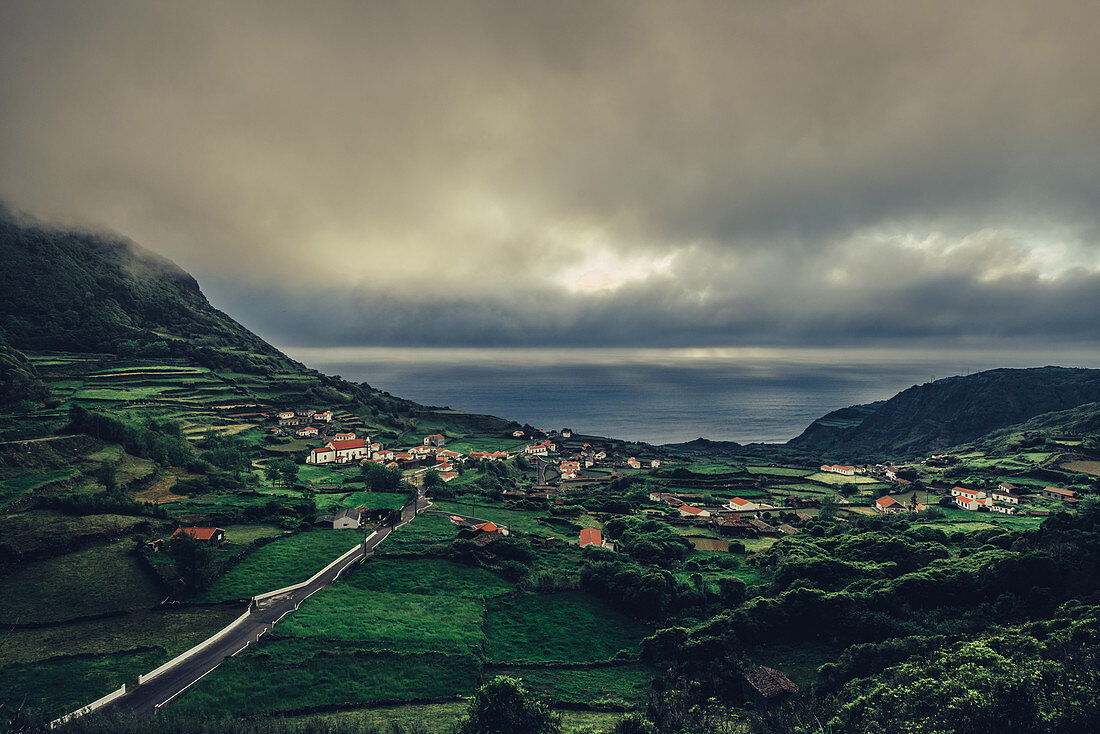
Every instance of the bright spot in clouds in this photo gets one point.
(606, 270)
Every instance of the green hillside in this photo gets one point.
(949, 412)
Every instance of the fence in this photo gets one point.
(98, 703)
(196, 649)
(314, 577)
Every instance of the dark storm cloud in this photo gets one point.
(579, 173)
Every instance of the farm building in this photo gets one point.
(690, 511)
(210, 536)
(742, 505)
(1055, 493)
(347, 518)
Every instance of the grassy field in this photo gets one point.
(780, 471)
(172, 630)
(1084, 467)
(568, 626)
(798, 662)
(388, 621)
(428, 529)
(63, 684)
(370, 500)
(623, 685)
(838, 479)
(281, 563)
(93, 581)
(524, 522)
(439, 718)
(431, 576)
(250, 684)
(15, 487)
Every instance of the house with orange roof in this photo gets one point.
(344, 436)
(633, 463)
(325, 416)
(435, 439)
(888, 505)
(209, 536)
(591, 536)
(307, 432)
(743, 505)
(339, 452)
(691, 511)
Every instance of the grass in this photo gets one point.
(426, 530)
(380, 620)
(281, 563)
(57, 686)
(567, 626)
(370, 500)
(15, 487)
(97, 580)
(250, 685)
(838, 479)
(431, 576)
(622, 684)
(174, 631)
(780, 471)
(797, 662)
(439, 718)
(515, 520)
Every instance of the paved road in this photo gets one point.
(147, 698)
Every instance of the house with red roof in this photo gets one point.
(325, 416)
(970, 499)
(1054, 493)
(209, 536)
(435, 439)
(633, 463)
(591, 536)
(742, 505)
(888, 505)
(539, 449)
(344, 437)
(517, 434)
(307, 432)
(691, 511)
(339, 452)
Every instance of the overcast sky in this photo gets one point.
(869, 174)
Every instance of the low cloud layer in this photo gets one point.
(580, 174)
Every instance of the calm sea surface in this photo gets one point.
(659, 396)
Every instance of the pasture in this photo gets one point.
(107, 578)
(566, 626)
(280, 563)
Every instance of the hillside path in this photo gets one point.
(150, 697)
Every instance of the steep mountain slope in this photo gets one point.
(949, 412)
(78, 292)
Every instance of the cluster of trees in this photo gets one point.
(648, 541)
(162, 442)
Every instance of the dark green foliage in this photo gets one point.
(951, 411)
(19, 383)
(158, 442)
(503, 706)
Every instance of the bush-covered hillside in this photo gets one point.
(950, 412)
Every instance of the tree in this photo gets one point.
(504, 706)
(288, 470)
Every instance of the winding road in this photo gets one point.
(151, 696)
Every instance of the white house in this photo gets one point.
(566, 433)
(537, 450)
(655, 464)
(349, 518)
(517, 434)
(633, 463)
(344, 437)
(307, 432)
(600, 455)
(888, 505)
(970, 499)
(435, 439)
(1007, 497)
(742, 505)
(339, 452)
(689, 511)
(286, 415)
(326, 416)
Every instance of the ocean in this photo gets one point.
(657, 396)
